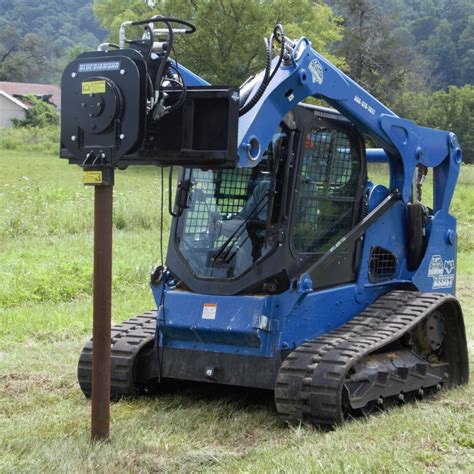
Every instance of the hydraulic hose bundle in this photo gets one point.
(279, 36)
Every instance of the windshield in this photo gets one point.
(224, 229)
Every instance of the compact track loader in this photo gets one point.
(287, 268)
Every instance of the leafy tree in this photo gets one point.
(19, 53)
(34, 37)
(447, 110)
(454, 110)
(373, 54)
(441, 49)
(466, 51)
(40, 114)
(228, 46)
(442, 34)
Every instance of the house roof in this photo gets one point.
(15, 101)
(20, 89)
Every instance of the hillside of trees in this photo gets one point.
(429, 42)
(417, 56)
(440, 33)
(36, 38)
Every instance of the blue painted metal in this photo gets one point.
(253, 325)
(191, 79)
(437, 271)
(376, 155)
(376, 195)
(266, 324)
(405, 143)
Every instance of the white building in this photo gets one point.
(13, 104)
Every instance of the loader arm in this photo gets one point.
(308, 74)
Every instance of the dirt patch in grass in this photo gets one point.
(14, 384)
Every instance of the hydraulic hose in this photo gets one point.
(263, 85)
(164, 60)
(278, 34)
(191, 28)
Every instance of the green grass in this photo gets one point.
(32, 139)
(45, 317)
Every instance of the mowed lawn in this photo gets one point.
(45, 317)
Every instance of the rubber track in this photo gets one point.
(311, 379)
(128, 338)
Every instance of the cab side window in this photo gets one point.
(326, 191)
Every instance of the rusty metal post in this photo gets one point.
(102, 312)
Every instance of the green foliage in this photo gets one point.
(45, 318)
(370, 49)
(440, 34)
(228, 45)
(447, 110)
(18, 53)
(415, 45)
(33, 140)
(40, 114)
(34, 37)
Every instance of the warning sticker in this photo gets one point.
(92, 177)
(93, 87)
(209, 311)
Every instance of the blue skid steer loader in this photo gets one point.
(286, 269)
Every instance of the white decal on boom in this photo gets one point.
(316, 71)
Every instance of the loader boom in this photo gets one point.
(308, 74)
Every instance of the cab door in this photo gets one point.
(328, 196)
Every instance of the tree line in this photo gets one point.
(416, 56)
(36, 39)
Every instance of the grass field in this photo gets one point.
(45, 317)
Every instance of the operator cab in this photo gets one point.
(224, 229)
(252, 230)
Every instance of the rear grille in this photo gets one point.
(382, 265)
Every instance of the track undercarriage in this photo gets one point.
(407, 345)
(401, 347)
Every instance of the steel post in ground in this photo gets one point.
(102, 312)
